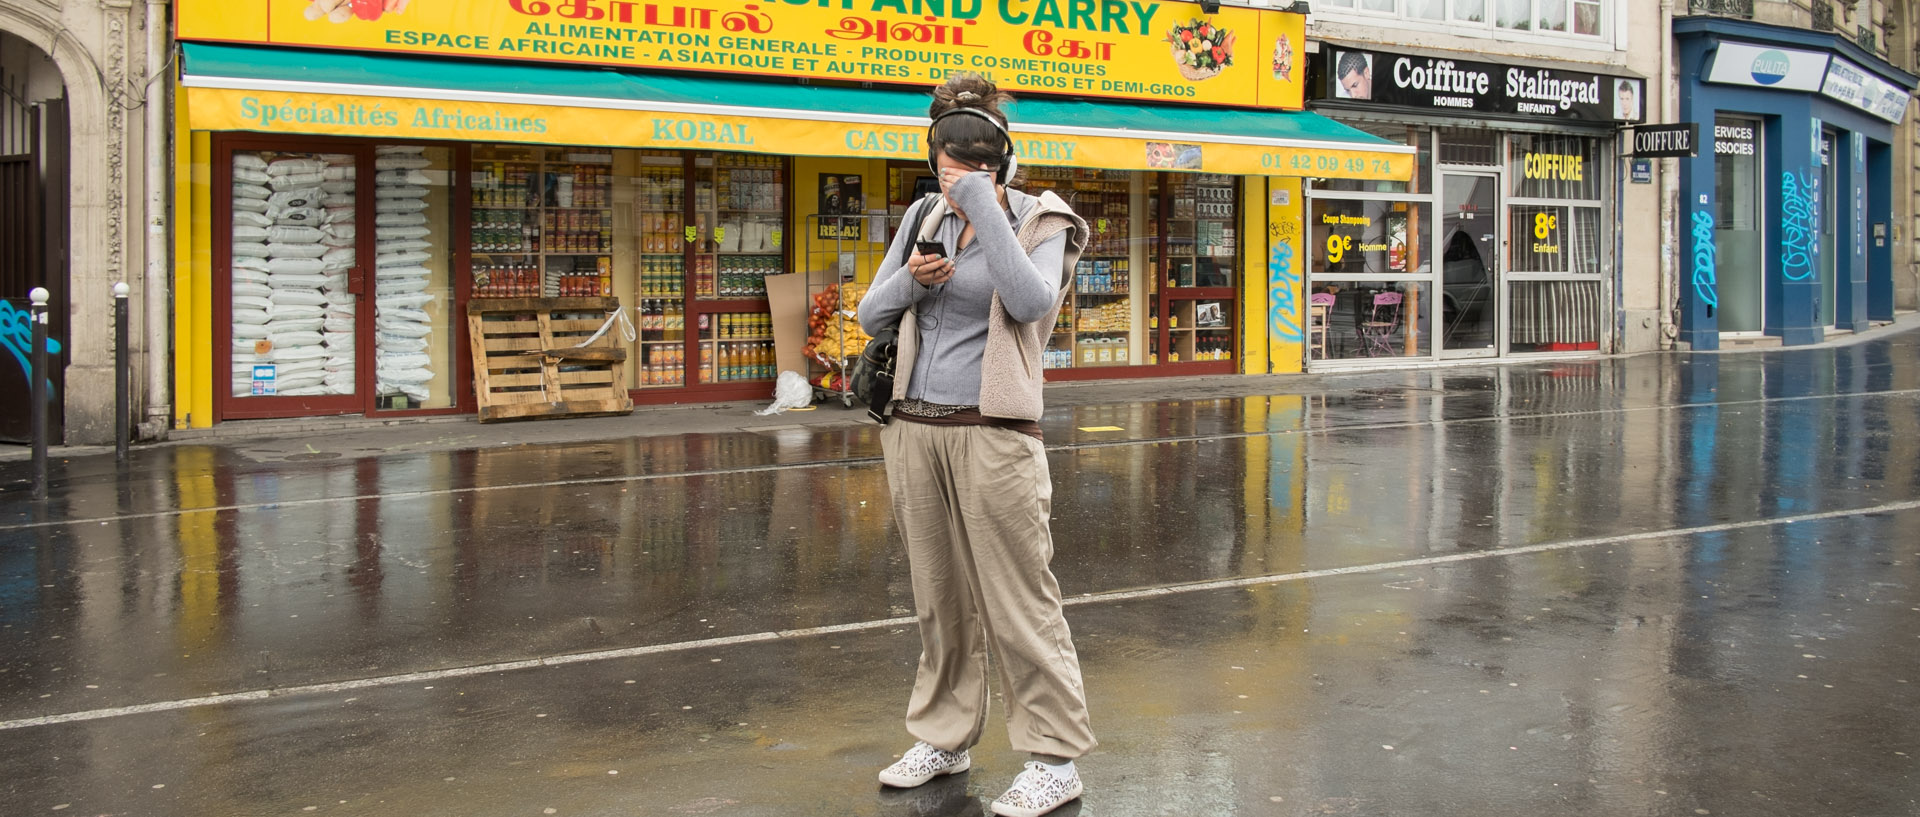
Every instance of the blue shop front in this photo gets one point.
(1788, 209)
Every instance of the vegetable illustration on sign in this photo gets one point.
(1201, 50)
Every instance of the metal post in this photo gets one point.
(38, 315)
(122, 374)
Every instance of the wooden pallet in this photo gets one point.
(525, 363)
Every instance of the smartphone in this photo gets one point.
(932, 249)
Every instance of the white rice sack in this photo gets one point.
(250, 176)
(411, 178)
(405, 329)
(399, 205)
(340, 363)
(391, 233)
(292, 166)
(310, 216)
(336, 268)
(337, 325)
(296, 312)
(402, 163)
(404, 375)
(296, 280)
(416, 391)
(337, 200)
(336, 282)
(243, 190)
(413, 300)
(340, 229)
(252, 249)
(248, 232)
(338, 341)
(253, 270)
(413, 360)
(291, 339)
(281, 325)
(256, 289)
(256, 331)
(338, 215)
(302, 384)
(295, 235)
(401, 192)
(399, 150)
(335, 255)
(296, 180)
(242, 348)
(334, 188)
(249, 161)
(299, 266)
(314, 250)
(387, 342)
(405, 314)
(291, 199)
(401, 245)
(398, 286)
(342, 300)
(339, 174)
(399, 220)
(299, 297)
(339, 380)
(292, 353)
(251, 315)
(251, 302)
(338, 243)
(411, 258)
(384, 274)
(250, 204)
(300, 367)
(252, 219)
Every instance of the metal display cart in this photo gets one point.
(837, 250)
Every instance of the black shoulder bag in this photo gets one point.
(871, 375)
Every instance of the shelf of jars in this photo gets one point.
(540, 222)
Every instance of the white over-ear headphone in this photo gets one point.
(1009, 163)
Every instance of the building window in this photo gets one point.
(1585, 18)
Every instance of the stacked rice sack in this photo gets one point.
(284, 269)
(401, 278)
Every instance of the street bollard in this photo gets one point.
(122, 375)
(38, 315)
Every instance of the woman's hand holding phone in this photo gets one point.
(929, 264)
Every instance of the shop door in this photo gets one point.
(1737, 232)
(1470, 259)
(333, 289)
(1829, 219)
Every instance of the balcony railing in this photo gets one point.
(1722, 8)
(1822, 15)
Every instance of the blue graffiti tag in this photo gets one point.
(16, 334)
(1799, 236)
(1705, 287)
(1283, 315)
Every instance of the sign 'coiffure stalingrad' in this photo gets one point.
(1459, 85)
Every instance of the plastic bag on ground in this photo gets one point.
(791, 391)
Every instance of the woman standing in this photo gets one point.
(965, 466)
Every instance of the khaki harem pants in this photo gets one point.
(973, 503)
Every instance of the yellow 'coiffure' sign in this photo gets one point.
(1132, 49)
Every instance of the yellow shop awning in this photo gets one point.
(279, 90)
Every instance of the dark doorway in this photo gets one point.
(34, 144)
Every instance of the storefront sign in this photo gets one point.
(1459, 86)
(1667, 141)
(218, 109)
(1734, 140)
(1852, 84)
(1136, 49)
(1764, 67)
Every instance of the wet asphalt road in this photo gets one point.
(1662, 585)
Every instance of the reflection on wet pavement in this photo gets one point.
(1623, 669)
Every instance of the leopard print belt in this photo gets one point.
(922, 408)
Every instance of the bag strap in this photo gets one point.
(926, 209)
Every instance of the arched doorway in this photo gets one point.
(35, 158)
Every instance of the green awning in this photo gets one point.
(283, 90)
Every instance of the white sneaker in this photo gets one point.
(922, 763)
(1037, 791)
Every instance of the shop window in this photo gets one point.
(1553, 15)
(1470, 11)
(414, 341)
(660, 293)
(1100, 324)
(293, 236)
(1418, 137)
(1557, 316)
(1201, 246)
(1554, 238)
(1369, 238)
(1556, 167)
(1534, 16)
(1372, 319)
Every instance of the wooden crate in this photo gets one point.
(526, 364)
